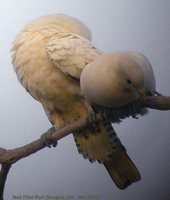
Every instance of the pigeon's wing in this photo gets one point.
(70, 53)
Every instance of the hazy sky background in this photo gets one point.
(116, 25)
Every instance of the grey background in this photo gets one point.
(116, 25)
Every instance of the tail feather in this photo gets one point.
(103, 145)
(96, 143)
(121, 169)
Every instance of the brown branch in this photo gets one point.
(3, 176)
(158, 102)
(13, 155)
(9, 157)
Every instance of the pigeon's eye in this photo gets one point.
(129, 81)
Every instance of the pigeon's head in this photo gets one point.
(111, 80)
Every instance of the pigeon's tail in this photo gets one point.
(102, 144)
(121, 168)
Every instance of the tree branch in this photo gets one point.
(3, 176)
(13, 155)
(159, 102)
(9, 157)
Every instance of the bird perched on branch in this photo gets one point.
(49, 55)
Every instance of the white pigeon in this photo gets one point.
(48, 57)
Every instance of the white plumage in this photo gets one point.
(117, 79)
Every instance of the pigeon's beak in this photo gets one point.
(143, 98)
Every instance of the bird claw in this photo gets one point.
(46, 137)
(91, 118)
(105, 113)
(157, 93)
(133, 110)
(134, 116)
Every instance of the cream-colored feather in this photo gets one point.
(71, 53)
(49, 55)
(39, 63)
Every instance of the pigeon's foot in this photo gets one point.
(46, 138)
